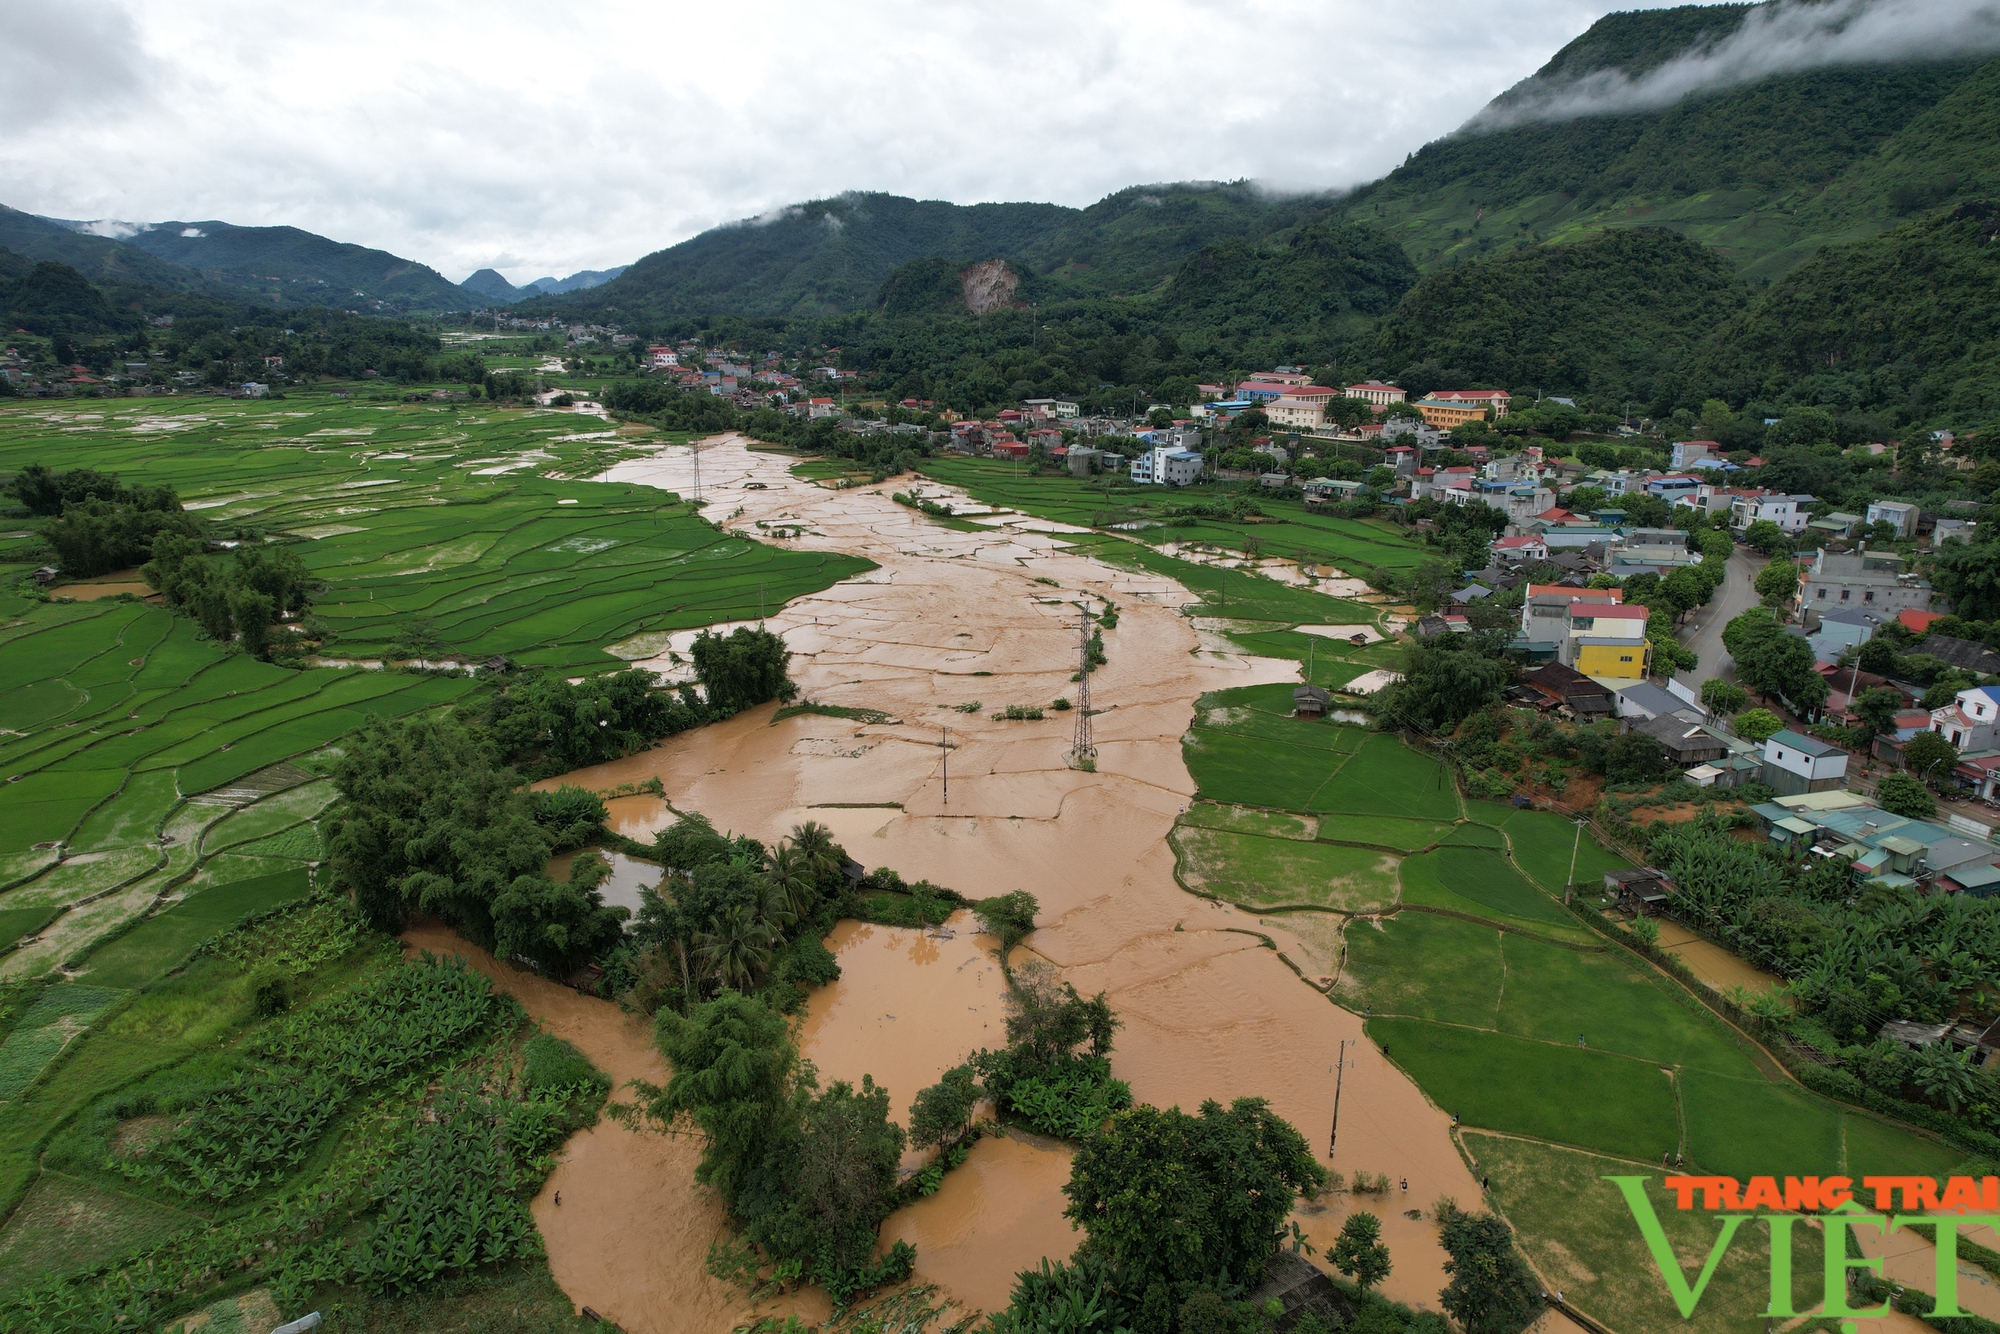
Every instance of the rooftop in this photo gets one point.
(1805, 745)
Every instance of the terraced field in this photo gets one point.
(139, 758)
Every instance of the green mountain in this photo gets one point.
(1765, 172)
(1612, 315)
(287, 266)
(831, 256)
(97, 258)
(1905, 324)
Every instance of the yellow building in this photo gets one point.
(1629, 660)
(1445, 414)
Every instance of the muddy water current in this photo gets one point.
(1209, 1007)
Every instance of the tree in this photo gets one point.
(1766, 537)
(821, 1197)
(1756, 725)
(1491, 1290)
(1359, 1252)
(941, 1114)
(1969, 574)
(742, 668)
(1185, 1202)
(1685, 589)
(1722, 696)
(1634, 757)
(427, 822)
(790, 873)
(558, 927)
(736, 948)
(1443, 685)
(733, 1064)
(1878, 708)
(1901, 794)
(1930, 757)
(1777, 582)
(1782, 664)
(1878, 656)
(1010, 917)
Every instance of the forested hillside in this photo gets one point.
(270, 265)
(97, 258)
(831, 256)
(292, 267)
(1766, 172)
(1905, 323)
(1611, 316)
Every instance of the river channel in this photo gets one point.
(1209, 1007)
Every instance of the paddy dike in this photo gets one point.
(1209, 1010)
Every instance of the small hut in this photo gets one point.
(1310, 702)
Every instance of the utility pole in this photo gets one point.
(1340, 1076)
(944, 749)
(1574, 848)
(1085, 747)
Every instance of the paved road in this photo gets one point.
(1703, 631)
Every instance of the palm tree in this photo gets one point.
(790, 874)
(736, 949)
(815, 840)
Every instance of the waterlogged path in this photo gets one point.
(1209, 1011)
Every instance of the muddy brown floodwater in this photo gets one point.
(1209, 1009)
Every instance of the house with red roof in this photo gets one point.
(1380, 395)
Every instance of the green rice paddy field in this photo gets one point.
(1575, 1057)
(137, 757)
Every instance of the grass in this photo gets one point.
(1260, 872)
(1576, 1229)
(1228, 767)
(1565, 1094)
(1483, 884)
(1388, 778)
(1543, 842)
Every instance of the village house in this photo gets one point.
(1794, 764)
(1836, 631)
(1972, 720)
(1879, 581)
(1522, 548)
(1167, 467)
(1898, 514)
(1696, 454)
(1966, 654)
(1787, 511)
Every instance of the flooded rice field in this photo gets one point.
(1209, 1008)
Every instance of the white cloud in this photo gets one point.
(542, 140)
(1773, 39)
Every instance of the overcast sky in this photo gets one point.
(542, 139)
